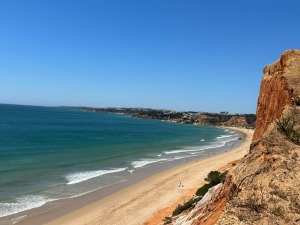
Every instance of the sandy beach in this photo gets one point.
(150, 200)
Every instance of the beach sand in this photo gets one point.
(150, 200)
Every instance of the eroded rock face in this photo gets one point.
(264, 187)
(224, 120)
(237, 121)
(204, 212)
(279, 85)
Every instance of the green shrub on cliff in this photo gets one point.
(186, 205)
(202, 191)
(286, 127)
(214, 178)
(296, 100)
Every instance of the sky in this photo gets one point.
(166, 54)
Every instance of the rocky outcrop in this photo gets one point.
(264, 187)
(278, 87)
(237, 121)
(205, 120)
(199, 213)
(226, 120)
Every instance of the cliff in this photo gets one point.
(244, 121)
(238, 121)
(279, 86)
(264, 187)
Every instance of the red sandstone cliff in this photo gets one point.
(264, 187)
(279, 85)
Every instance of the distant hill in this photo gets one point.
(205, 119)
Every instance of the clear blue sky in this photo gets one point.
(173, 54)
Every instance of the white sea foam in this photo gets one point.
(234, 138)
(224, 136)
(228, 138)
(75, 178)
(178, 157)
(181, 151)
(222, 140)
(159, 155)
(230, 131)
(202, 140)
(22, 204)
(209, 147)
(197, 149)
(204, 147)
(137, 164)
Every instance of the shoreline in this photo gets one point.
(120, 199)
(157, 218)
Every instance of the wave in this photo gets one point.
(137, 164)
(224, 136)
(204, 147)
(222, 140)
(181, 151)
(234, 138)
(22, 204)
(75, 178)
(230, 131)
(228, 139)
(180, 157)
(209, 147)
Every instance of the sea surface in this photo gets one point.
(52, 153)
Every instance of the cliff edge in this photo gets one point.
(280, 85)
(264, 187)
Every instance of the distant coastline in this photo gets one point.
(187, 117)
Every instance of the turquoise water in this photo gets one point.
(55, 153)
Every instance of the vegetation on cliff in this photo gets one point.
(264, 187)
(213, 178)
(287, 127)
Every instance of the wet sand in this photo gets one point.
(138, 201)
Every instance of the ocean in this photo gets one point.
(54, 153)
